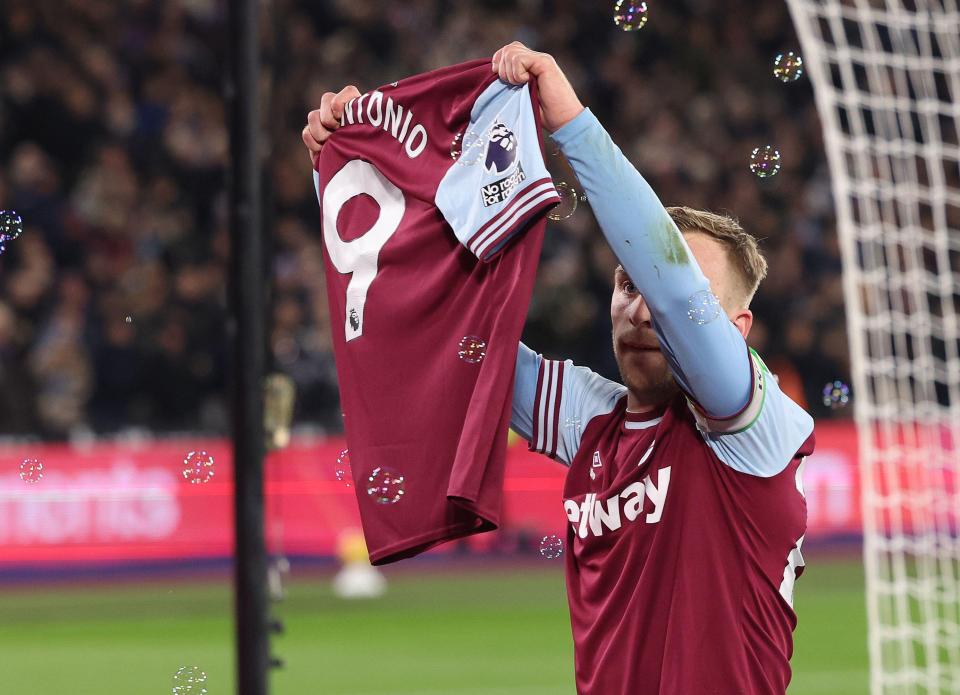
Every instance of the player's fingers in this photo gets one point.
(326, 111)
(502, 66)
(340, 101)
(311, 142)
(317, 130)
(523, 75)
(518, 68)
(505, 62)
(506, 57)
(511, 70)
(313, 147)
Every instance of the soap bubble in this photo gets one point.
(198, 467)
(466, 148)
(788, 67)
(31, 471)
(704, 307)
(11, 225)
(630, 15)
(765, 161)
(385, 485)
(836, 394)
(189, 680)
(472, 349)
(567, 205)
(456, 146)
(551, 547)
(342, 469)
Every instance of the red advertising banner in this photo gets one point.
(122, 502)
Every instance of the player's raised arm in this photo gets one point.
(709, 357)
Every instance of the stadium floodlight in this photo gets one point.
(886, 76)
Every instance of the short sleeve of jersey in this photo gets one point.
(499, 181)
(567, 397)
(765, 436)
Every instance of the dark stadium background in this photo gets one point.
(113, 315)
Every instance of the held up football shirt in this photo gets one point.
(433, 194)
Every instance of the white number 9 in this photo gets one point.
(360, 255)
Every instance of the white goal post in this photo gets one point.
(886, 77)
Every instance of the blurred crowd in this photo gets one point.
(114, 147)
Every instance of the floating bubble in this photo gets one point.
(568, 202)
(836, 394)
(472, 349)
(765, 161)
(788, 67)
(198, 467)
(551, 547)
(466, 148)
(31, 471)
(342, 469)
(456, 146)
(11, 226)
(630, 15)
(385, 485)
(189, 680)
(704, 307)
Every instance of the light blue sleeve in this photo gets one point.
(499, 182)
(554, 401)
(525, 391)
(706, 352)
(750, 424)
(762, 439)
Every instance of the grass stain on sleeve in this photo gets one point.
(671, 242)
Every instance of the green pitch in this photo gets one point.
(500, 631)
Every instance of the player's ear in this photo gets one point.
(743, 320)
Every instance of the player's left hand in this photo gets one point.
(516, 64)
(323, 121)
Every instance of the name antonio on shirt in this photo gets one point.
(383, 112)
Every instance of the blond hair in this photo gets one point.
(747, 260)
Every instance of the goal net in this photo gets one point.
(886, 76)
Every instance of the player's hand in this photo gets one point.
(323, 121)
(516, 64)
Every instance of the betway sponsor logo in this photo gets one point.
(592, 515)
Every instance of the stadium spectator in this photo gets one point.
(113, 144)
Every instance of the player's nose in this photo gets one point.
(638, 312)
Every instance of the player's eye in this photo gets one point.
(628, 287)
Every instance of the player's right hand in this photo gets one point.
(323, 121)
(516, 64)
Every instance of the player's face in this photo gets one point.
(643, 367)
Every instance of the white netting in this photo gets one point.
(886, 76)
